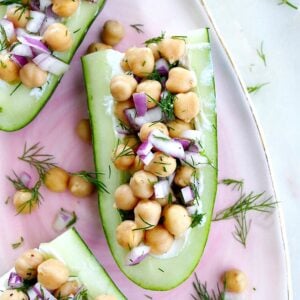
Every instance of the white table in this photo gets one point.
(245, 25)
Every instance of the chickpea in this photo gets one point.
(56, 179)
(142, 183)
(177, 127)
(155, 51)
(162, 165)
(112, 32)
(83, 130)
(26, 265)
(186, 106)
(180, 80)
(9, 70)
(119, 110)
(132, 141)
(123, 157)
(147, 212)
(67, 289)
(137, 165)
(65, 8)
(159, 240)
(94, 47)
(183, 175)
(124, 198)
(58, 37)
(24, 202)
(52, 273)
(235, 281)
(122, 87)
(176, 219)
(33, 76)
(128, 236)
(18, 15)
(80, 187)
(139, 60)
(151, 88)
(147, 128)
(172, 49)
(13, 295)
(105, 297)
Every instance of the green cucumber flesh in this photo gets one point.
(20, 105)
(72, 250)
(152, 273)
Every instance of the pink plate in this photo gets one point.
(241, 155)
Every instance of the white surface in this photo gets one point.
(244, 25)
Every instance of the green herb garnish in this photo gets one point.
(155, 40)
(196, 219)
(255, 88)
(290, 4)
(18, 244)
(261, 54)
(137, 27)
(237, 184)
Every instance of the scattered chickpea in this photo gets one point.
(122, 87)
(58, 37)
(151, 88)
(128, 235)
(177, 127)
(67, 289)
(119, 110)
(183, 175)
(112, 33)
(65, 8)
(94, 47)
(176, 219)
(186, 106)
(83, 130)
(139, 60)
(171, 49)
(23, 202)
(147, 128)
(137, 165)
(9, 70)
(124, 197)
(26, 265)
(56, 179)
(123, 157)
(32, 75)
(162, 165)
(52, 273)
(147, 212)
(235, 281)
(142, 183)
(155, 51)
(180, 80)
(18, 15)
(105, 297)
(159, 240)
(80, 187)
(13, 295)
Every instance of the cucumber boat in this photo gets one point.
(154, 272)
(19, 105)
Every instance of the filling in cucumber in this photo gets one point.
(157, 151)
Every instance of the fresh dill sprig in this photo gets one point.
(166, 104)
(196, 219)
(3, 39)
(148, 225)
(126, 151)
(286, 2)
(261, 54)
(137, 27)
(82, 295)
(209, 161)
(236, 184)
(155, 40)
(203, 294)
(92, 178)
(242, 228)
(18, 244)
(255, 88)
(195, 190)
(155, 76)
(9, 2)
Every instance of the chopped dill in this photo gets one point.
(149, 226)
(197, 219)
(255, 88)
(288, 3)
(126, 151)
(137, 27)
(242, 228)
(261, 54)
(15, 89)
(3, 39)
(166, 104)
(18, 244)
(161, 270)
(77, 30)
(236, 184)
(155, 40)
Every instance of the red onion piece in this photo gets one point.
(51, 64)
(121, 129)
(35, 22)
(162, 67)
(130, 114)
(161, 189)
(25, 178)
(187, 194)
(171, 178)
(38, 292)
(140, 103)
(152, 115)
(195, 159)
(137, 254)
(144, 148)
(8, 28)
(15, 281)
(185, 143)
(64, 219)
(194, 148)
(47, 22)
(20, 60)
(194, 135)
(20, 32)
(165, 144)
(34, 43)
(34, 5)
(21, 50)
(44, 4)
(146, 159)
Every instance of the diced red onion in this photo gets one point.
(44, 4)
(137, 254)
(34, 5)
(162, 67)
(171, 178)
(138, 79)
(25, 178)
(35, 22)
(34, 43)
(20, 60)
(51, 64)
(194, 148)
(193, 209)
(47, 22)
(194, 159)
(20, 32)
(140, 103)
(8, 28)
(15, 281)
(130, 114)
(38, 292)
(121, 129)
(194, 135)
(185, 143)
(64, 219)
(152, 115)
(187, 194)
(161, 189)
(144, 148)
(146, 159)
(21, 50)
(165, 144)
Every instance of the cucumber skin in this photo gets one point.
(140, 278)
(70, 54)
